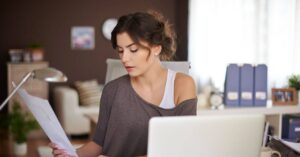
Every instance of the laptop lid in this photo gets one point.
(206, 136)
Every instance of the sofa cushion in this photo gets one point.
(89, 92)
(88, 110)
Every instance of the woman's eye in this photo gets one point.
(120, 51)
(134, 50)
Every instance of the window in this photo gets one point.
(244, 31)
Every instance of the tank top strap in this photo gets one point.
(168, 98)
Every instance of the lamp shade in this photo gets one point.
(49, 75)
(45, 74)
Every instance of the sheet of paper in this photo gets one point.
(43, 113)
(293, 145)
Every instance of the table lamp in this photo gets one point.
(45, 74)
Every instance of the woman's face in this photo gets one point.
(135, 58)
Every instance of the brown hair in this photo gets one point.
(150, 27)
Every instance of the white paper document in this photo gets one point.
(43, 113)
(293, 145)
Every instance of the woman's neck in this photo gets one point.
(151, 77)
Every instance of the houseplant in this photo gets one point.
(37, 52)
(20, 123)
(294, 81)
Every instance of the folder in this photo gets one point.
(231, 86)
(291, 127)
(260, 85)
(246, 85)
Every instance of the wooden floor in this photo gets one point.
(33, 142)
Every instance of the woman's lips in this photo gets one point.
(129, 68)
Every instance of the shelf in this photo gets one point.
(269, 110)
(273, 113)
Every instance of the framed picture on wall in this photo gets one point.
(82, 38)
(284, 96)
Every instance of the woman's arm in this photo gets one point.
(185, 95)
(185, 88)
(91, 149)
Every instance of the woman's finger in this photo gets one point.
(53, 145)
(59, 152)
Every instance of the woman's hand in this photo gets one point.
(58, 152)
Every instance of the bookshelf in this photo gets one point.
(273, 113)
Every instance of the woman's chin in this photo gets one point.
(133, 74)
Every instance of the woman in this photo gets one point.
(142, 40)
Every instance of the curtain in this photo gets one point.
(243, 31)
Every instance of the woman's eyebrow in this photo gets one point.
(130, 45)
(127, 45)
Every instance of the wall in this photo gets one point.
(49, 23)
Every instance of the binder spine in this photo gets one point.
(246, 85)
(231, 89)
(260, 85)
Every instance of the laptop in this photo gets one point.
(206, 136)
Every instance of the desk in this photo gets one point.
(93, 117)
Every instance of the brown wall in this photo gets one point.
(49, 23)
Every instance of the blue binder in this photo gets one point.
(246, 85)
(291, 127)
(260, 85)
(231, 86)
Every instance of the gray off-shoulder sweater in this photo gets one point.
(122, 129)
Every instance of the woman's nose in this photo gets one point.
(126, 56)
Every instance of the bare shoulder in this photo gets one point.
(185, 88)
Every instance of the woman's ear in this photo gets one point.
(156, 49)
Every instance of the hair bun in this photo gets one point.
(151, 27)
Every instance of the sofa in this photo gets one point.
(69, 111)
(72, 115)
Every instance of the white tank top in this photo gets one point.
(168, 98)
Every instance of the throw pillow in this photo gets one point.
(89, 92)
